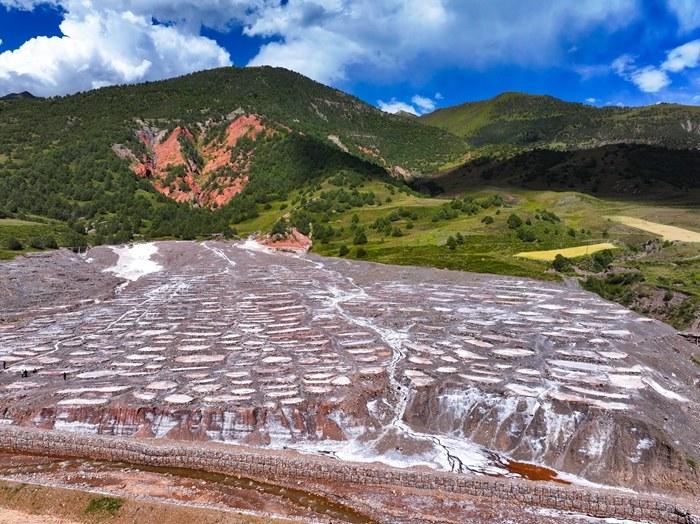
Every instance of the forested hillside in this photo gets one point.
(59, 157)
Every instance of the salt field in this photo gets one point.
(235, 343)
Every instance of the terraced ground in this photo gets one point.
(362, 362)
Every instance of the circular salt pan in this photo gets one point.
(193, 347)
(243, 391)
(420, 360)
(226, 398)
(48, 360)
(83, 401)
(276, 360)
(206, 388)
(144, 395)
(342, 380)
(161, 385)
(22, 385)
(178, 399)
(513, 352)
(418, 378)
(318, 389)
(291, 401)
(96, 374)
(237, 374)
(192, 359)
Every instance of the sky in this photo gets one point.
(410, 55)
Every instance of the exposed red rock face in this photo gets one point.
(211, 180)
(292, 241)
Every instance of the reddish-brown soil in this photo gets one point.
(292, 241)
(216, 182)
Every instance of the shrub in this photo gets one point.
(13, 244)
(36, 243)
(603, 259)
(514, 221)
(488, 219)
(50, 243)
(526, 235)
(280, 227)
(451, 243)
(343, 251)
(561, 264)
(360, 252)
(360, 237)
(107, 505)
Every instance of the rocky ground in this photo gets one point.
(407, 366)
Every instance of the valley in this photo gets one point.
(243, 295)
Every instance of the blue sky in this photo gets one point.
(413, 55)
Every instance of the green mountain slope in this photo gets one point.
(526, 121)
(74, 158)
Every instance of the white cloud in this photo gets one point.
(623, 65)
(650, 80)
(687, 12)
(328, 40)
(591, 100)
(114, 41)
(683, 57)
(425, 104)
(394, 106)
(419, 105)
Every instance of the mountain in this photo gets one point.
(15, 96)
(618, 170)
(528, 121)
(197, 153)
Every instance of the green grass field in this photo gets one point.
(32, 235)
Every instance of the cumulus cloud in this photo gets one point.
(328, 40)
(115, 41)
(687, 12)
(425, 104)
(394, 106)
(419, 105)
(683, 57)
(104, 44)
(652, 79)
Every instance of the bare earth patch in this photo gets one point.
(672, 233)
(569, 252)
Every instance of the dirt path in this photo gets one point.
(10, 516)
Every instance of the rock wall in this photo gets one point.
(281, 467)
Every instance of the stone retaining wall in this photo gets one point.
(267, 465)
